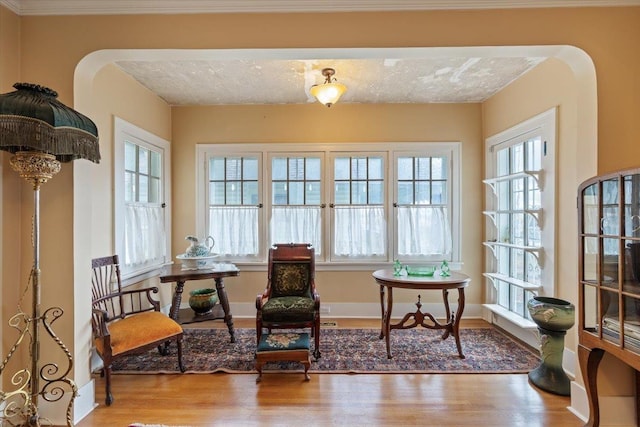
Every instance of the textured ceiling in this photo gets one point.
(384, 80)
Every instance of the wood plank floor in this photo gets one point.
(329, 400)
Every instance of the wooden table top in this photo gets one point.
(454, 281)
(175, 273)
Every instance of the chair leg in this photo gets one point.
(180, 362)
(258, 331)
(316, 352)
(107, 376)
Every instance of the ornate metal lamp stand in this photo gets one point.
(41, 132)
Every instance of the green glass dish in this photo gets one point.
(421, 271)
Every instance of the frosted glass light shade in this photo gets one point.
(328, 93)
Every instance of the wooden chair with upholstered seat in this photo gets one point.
(290, 300)
(127, 321)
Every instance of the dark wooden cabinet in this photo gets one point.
(609, 277)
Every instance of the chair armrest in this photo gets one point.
(135, 300)
(100, 319)
(261, 299)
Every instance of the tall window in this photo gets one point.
(141, 222)
(234, 204)
(296, 195)
(521, 233)
(423, 207)
(368, 203)
(360, 224)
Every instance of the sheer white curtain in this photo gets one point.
(360, 231)
(423, 230)
(297, 224)
(234, 229)
(144, 235)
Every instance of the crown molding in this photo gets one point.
(125, 7)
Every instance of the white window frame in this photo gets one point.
(451, 149)
(543, 125)
(125, 131)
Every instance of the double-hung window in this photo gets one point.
(521, 197)
(142, 223)
(423, 206)
(296, 195)
(357, 204)
(233, 202)
(358, 207)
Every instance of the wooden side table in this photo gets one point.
(388, 281)
(175, 273)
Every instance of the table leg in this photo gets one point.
(224, 301)
(382, 328)
(177, 300)
(456, 321)
(387, 321)
(447, 311)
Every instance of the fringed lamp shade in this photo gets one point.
(32, 119)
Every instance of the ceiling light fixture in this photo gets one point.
(330, 91)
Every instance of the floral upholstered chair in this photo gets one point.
(290, 300)
(126, 322)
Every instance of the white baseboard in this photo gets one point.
(85, 402)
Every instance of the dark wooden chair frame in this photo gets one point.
(110, 303)
(295, 253)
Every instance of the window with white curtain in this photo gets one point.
(423, 208)
(359, 218)
(141, 189)
(364, 202)
(296, 193)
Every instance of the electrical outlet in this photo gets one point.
(325, 309)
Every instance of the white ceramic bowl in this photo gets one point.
(196, 262)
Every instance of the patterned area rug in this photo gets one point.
(418, 350)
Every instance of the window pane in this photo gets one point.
(154, 190)
(296, 193)
(313, 169)
(279, 193)
(296, 169)
(376, 168)
(143, 196)
(250, 193)
(216, 168)
(423, 193)
(312, 193)
(405, 168)
(130, 157)
(143, 160)
(156, 164)
(233, 192)
(279, 168)
(342, 193)
(517, 158)
(359, 192)
(359, 168)
(438, 192)
(341, 168)
(216, 193)
(129, 187)
(250, 169)
(439, 168)
(502, 162)
(376, 192)
(423, 168)
(233, 170)
(405, 193)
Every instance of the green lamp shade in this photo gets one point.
(32, 119)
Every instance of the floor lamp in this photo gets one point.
(41, 132)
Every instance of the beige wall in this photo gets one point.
(301, 124)
(51, 47)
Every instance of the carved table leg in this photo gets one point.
(589, 362)
(177, 300)
(387, 321)
(224, 301)
(382, 328)
(456, 321)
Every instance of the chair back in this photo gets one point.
(291, 270)
(106, 286)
